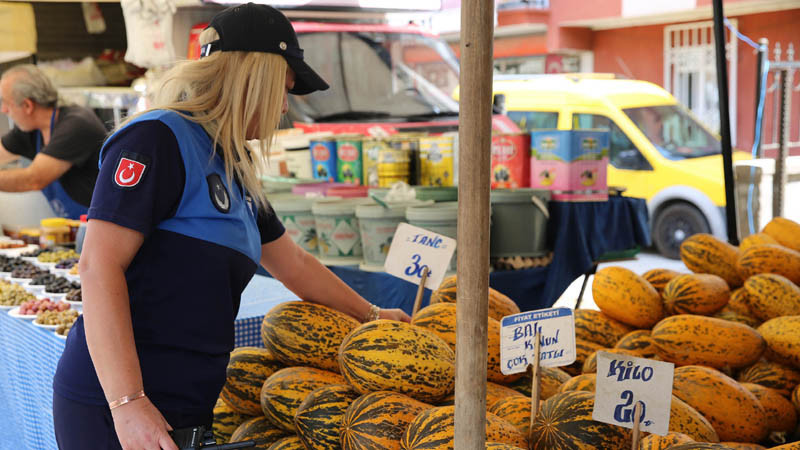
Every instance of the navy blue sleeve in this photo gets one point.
(269, 225)
(141, 177)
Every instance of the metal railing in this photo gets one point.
(522, 4)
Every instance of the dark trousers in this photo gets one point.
(79, 426)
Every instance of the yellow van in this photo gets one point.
(658, 150)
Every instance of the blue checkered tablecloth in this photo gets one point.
(29, 356)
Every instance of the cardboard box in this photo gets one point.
(571, 163)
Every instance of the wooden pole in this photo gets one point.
(637, 411)
(536, 385)
(420, 291)
(474, 138)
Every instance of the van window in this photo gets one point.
(674, 132)
(623, 154)
(534, 120)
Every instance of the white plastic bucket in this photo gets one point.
(440, 218)
(338, 234)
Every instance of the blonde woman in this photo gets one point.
(178, 224)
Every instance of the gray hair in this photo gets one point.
(32, 83)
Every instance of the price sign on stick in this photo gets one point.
(625, 382)
(555, 329)
(414, 249)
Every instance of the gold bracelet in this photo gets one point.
(373, 314)
(126, 399)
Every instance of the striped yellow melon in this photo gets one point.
(319, 418)
(696, 293)
(733, 411)
(551, 379)
(770, 258)
(703, 253)
(501, 446)
(742, 446)
(789, 446)
(796, 398)
(781, 415)
(656, 442)
(258, 429)
(597, 327)
(565, 421)
(687, 420)
(435, 428)
(783, 338)
(390, 355)
(440, 319)
(659, 278)
(377, 421)
(739, 302)
(225, 422)
(624, 296)
(499, 304)
(690, 339)
(247, 370)
(514, 410)
(306, 334)
(583, 349)
(583, 382)
(288, 443)
(772, 375)
(639, 343)
(699, 446)
(285, 389)
(590, 365)
(772, 296)
(496, 392)
(732, 316)
(785, 231)
(756, 239)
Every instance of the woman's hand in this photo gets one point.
(140, 426)
(394, 314)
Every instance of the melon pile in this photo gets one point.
(732, 328)
(326, 381)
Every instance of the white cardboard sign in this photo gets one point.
(413, 248)
(624, 380)
(555, 328)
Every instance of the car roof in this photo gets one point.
(578, 89)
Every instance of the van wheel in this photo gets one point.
(674, 224)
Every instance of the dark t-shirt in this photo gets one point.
(77, 137)
(184, 292)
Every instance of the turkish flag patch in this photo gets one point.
(129, 172)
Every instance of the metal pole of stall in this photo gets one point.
(724, 122)
(779, 180)
(474, 137)
(761, 55)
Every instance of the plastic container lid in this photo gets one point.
(54, 222)
(433, 213)
(318, 188)
(375, 211)
(291, 203)
(344, 207)
(437, 193)
(522, 195)
(348, 191)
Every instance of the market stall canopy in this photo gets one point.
(19, 31)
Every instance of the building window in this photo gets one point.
(623, 154)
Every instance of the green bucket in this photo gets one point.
(440, 218)
(519, 222)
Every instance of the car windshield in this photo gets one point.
(377, 76)
(674, 133)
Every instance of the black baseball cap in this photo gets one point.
(262, 28)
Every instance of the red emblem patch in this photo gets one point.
(129, 173)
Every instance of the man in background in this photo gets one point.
(63, 142)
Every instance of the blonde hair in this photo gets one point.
(229, 93)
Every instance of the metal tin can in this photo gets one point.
(436, 160)
(510, 160)
(393, 165)
(323, 159)
(409, 142)
(371, 148)
(349, 159)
